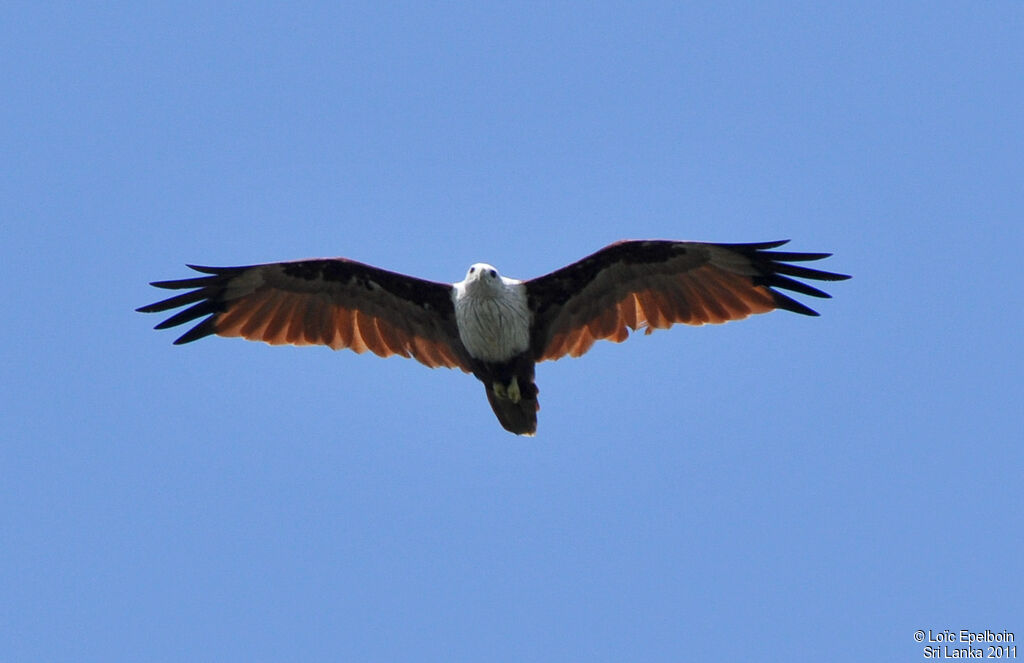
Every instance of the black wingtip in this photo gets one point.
(793, 256)
(203, 269)
(205, 328)
(216, 271)
(757, 246)
(786, 283)
(203, 298)
(789, 304)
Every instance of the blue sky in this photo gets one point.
(782, 488)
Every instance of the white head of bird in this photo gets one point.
(483, 280)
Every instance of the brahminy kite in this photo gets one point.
(494, 327)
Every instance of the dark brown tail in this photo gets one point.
(520, 417)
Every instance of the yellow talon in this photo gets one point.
(514, 394)
(499, 390)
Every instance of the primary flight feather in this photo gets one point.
(494, 327)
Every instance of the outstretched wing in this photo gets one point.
(656, 283)
(336, 302)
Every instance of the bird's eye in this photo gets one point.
(493, 273)
(472, 270)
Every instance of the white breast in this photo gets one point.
(494, 326)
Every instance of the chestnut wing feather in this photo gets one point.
(334, 302)
(653, 284)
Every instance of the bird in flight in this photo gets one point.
(494, 327)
